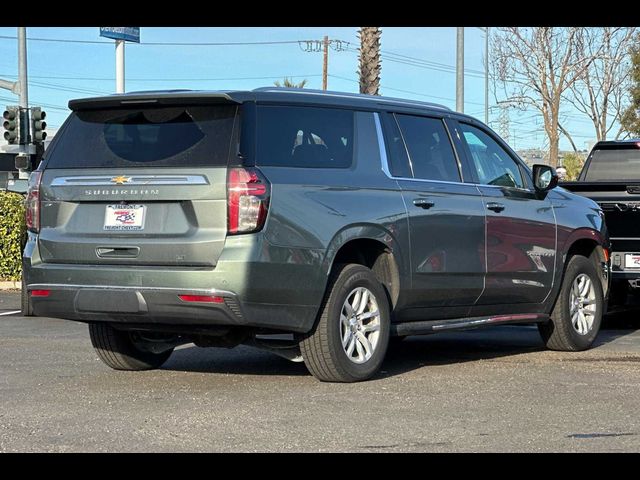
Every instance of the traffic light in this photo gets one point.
(38, 125)
(11, 125)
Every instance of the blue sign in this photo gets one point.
(129, 34)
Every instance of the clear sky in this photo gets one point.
(60, 71)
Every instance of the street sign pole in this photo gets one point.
(119, 66)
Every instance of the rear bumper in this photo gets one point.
(626, 279)
(266, 291)
(135, 305)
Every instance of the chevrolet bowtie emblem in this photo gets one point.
(121, 180)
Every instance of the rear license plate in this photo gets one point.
(124, 217)
(632, 260)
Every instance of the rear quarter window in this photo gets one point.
(297, 136)
(133, 137)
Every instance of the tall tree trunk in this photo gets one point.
(370, 60)
(554, 149)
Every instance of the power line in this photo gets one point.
(416, 62)
(406, 91)
(156, 79)
(181, 44)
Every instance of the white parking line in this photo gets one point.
(11, 312)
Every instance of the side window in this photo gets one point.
(493, 164)
(431, 153)
(305, 137)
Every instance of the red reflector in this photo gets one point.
(606, 255)
(201, 298)
(40, 293)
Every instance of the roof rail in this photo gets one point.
(330, 93)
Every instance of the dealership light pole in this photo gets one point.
(119, 66)
(460, 70)
(120, 35)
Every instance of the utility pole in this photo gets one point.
(325, 62)
(323, 45)
(460, 70)
(119, 66)
(486, 75)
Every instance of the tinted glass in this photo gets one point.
(430, 150)
(166, 136)
(493, 164)
(304, 137)
(621, 164)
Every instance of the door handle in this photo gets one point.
(423, 203)
(495, 206)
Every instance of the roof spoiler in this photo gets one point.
(152, 98)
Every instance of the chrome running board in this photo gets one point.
(434, 326)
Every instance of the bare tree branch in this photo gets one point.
(601, 92)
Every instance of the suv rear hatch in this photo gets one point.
(138, 183)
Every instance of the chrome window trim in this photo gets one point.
(385, 164)
(106, 180)
(382, 146)
(385, 160)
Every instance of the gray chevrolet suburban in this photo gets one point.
(320, 226)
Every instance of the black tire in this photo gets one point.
(25, 301)
(322, 349)
(117, 349)
(559, 333)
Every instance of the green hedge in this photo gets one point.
(12, 231)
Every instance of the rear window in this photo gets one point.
(163, 137)
(305, 137)
(619, 164)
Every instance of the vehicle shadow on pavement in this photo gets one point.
(460, 347)
(411, 354)
(241, 360)
(622, 319)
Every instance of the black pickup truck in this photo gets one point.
(611, 177)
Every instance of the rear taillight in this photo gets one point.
(201, 298)
(32, 204)
(40, 293)
(247, 199)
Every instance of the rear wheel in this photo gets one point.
(25, 301)
(125, 350)
(351, 337)
(577, 314)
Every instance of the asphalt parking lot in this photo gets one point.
(483, 390)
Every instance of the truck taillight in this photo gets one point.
(32, 204)
(247, 199)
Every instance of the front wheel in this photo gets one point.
(351, 337)
(124, 350)
(577, 314)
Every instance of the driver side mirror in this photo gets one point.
(545, 178)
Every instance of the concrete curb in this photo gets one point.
(11, 285)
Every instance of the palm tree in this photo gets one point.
(370, 60)
(289, 83)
